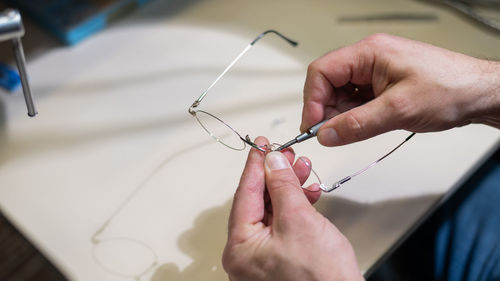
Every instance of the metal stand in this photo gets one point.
(11, 28)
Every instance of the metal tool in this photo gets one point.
(11, 28)
(311, 132)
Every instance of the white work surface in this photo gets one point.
(114, 174)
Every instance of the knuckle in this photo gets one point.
(313, 68)
(400, 107)
(314, 81)
(378, 40)
(380, 43)
(278, 186)
(282, 180)
(280, 183)
(293, 221)
(249, 187)
(354, 128)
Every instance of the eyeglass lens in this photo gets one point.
(219, 131)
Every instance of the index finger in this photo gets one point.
(248, 203)
(349, 64)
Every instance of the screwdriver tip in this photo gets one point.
(288, 144)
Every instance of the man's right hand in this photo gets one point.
(383, 83)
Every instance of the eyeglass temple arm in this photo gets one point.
(290, 41)
(198, 101)
(348, 178)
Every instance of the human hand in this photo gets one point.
(285, 238)
(383, 83)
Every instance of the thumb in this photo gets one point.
(282, 184)
(359, 123)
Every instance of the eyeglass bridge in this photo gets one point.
(263, 148)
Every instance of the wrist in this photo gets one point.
(487, 109)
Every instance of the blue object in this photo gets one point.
(73, 20)
(467, 245)
(460, 241)
(9, 78)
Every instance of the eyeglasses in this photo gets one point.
(216, 127)
(224, 134)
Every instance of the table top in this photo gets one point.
(115, 180)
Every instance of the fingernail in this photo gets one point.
(277, 161)
(328, 137)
